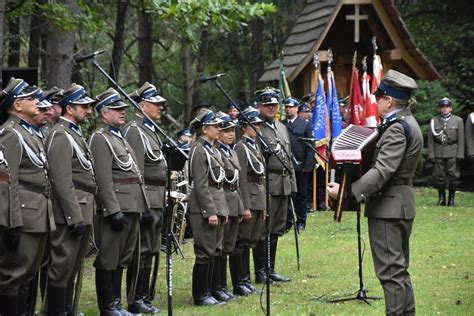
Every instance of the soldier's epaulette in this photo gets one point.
(133, 123)
(99, 131)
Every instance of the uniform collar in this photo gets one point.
(207, 144)
(390, 117)
(446, 117)
(38, 131)
(27, 126)
(225, 149)
(72, 126)
(149, 124)
(270, 123)
(115, 131)
(250, 142)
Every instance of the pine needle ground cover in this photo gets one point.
(441, 266)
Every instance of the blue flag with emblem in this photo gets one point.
(333, 107)
(320, 116)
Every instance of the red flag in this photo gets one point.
(370, 104)
(357, 102)
(377, 73)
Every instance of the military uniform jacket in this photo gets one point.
(469, 131)
(206, 171)
(119, 181)
(302, 153)
(387, 187)
(232, 180)
(276, 135)
(30, 186)
(5, 196)
(252, 169)
(72, 172)
(152, 163)
(446, 137)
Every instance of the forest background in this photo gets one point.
(172, 43)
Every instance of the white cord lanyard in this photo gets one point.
(249, 154)
(124, 165)
(38, 162)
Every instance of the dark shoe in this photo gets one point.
(278, 278)
(229, 294)
(301, 227)
(441, 196)
(139, 307)
(220, 295)
(206, 300)
(322, 207)
(261, 277)
(241, 290)
(155, 310)
(105, 293)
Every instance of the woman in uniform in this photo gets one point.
(207, 203)
(234, 203)
(253, 198)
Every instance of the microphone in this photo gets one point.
(205, 79)
(79, 59)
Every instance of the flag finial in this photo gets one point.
(330, 58)
(316, 60)
(364, 64)
(374, 44)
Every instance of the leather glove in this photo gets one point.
(11, 238)
(77, 229)
(118, 221)
(146, 218)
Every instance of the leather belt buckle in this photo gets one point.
(284, 172)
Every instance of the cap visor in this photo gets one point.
(28, 92)
(44, 104)
(117, 105)
(83, 101)
(155, 99)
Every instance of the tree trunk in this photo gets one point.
(185, 57)
(60, 49)
(2, 34)
(145, 46)
(201, 64)
(14, 43)
(119, 39)
(257, 64)
(34, 49)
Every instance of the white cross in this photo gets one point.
(357, 18)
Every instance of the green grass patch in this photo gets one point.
(442, 268)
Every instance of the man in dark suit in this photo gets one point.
(303, 159)
(388, 191)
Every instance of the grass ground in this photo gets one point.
(442, 268)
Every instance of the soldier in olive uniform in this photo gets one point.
(52, 96)
(121, 199)
(388, 191)
(252, 175)
(234, 202)
(143, 138)
(31, 218)
(446, 149)
(469, 132)
(73, 198)
(282, 183)
(207, 206)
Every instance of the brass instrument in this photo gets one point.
(179, 189)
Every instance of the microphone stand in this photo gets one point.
(169, 149)
(267, 152)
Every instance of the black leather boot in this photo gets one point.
(201, 294)
(70, 297)
(146, 291)
(273, 248)
(216, 286)
(56, 302)
(246, 271)
(117, 286)
(105, 293)
(441, 196)
(260, 260)
(138, 305)
(235, 265)
(223, 268)
(452, 193)
(23, 298)
(8, 305)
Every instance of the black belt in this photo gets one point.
(398, 181)
(437, 141)
(282, 172)
(251, 178)
(212, 184)
(133, 180)
(231, 186)
(160, 183)
(4, 177)
(84, 187)
(33, 187)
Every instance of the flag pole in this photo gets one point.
(316, 62)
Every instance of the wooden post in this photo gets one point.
(316, 61)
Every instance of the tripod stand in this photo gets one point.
(362, 292)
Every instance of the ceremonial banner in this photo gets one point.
(320, 121)
(357, 108)
(370, 104)
(333, 107)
